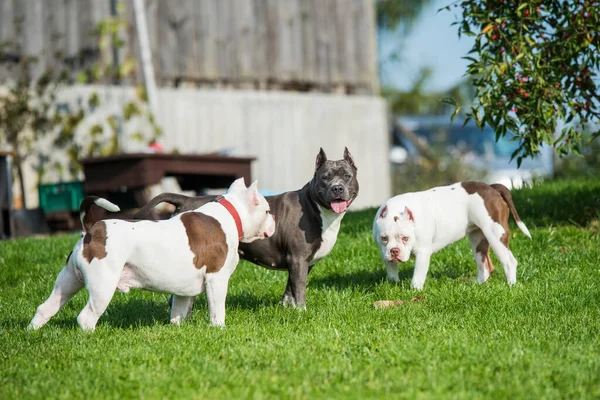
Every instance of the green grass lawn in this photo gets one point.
(539, 339)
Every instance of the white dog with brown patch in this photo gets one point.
(185, 255)
(425, 222)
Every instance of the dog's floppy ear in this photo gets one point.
(408, 214)
(252, 193)
(321, 158)
(238, 184)
(383, 212)
(348, 158)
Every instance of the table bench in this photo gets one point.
(136, 171)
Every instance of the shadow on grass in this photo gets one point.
(62, 322)
(250, 301)
(139, 312)
(360, 279)
(451, 272)
(134, 312)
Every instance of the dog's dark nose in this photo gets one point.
(395, 251)
(337, 189)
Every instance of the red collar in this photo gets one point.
(236, 217)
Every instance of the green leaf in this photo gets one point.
(82, 77)
(138, 137)
(515, 153)
(96, 130)
(130, 110)
(94, 100)
(113, 123)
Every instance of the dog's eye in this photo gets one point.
(325, 177)
(384, 239)
(348, 176)
(404, 239)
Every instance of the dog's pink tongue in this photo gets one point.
(339, 206)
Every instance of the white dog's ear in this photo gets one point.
(383, 212)
(408, 215)
(238, 184)
(252, 193)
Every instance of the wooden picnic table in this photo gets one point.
(136, 171)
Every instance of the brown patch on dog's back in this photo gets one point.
(207, 240)
(94, 242)
(494, 203)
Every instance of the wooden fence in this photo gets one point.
(303, 45)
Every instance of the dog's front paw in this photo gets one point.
(33, 327)
(288, 300)
(417, 285)
(393, 279)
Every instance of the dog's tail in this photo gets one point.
(175, 199)
(90, 208)
(505, 193)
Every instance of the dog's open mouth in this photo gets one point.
(339, 205)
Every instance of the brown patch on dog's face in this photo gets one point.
(494, 203)
(94, 242)
(207, 240)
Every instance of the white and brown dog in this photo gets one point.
(185, 255)
(425, 222)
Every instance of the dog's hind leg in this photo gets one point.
(66, 286)
(481, 252)
(181, 308)
(288, 296)
(497, 237)
(101, 284)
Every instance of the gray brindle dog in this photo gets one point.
(308, 222)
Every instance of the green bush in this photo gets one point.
(587, 165)
(560, 202)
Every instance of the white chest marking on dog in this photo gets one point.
(330, 224)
